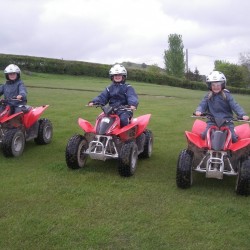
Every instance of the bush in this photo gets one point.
(60, 66)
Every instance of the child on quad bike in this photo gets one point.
(219, 103)
(115, 134)
(13, 88)
(118, 93)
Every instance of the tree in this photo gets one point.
(245, 63)
(237, 75)
(174, 56)
(154, 69)
(194, 76)
(245, 59)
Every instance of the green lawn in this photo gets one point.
(44, 205)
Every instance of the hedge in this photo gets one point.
(60, 66)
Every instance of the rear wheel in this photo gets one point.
(76, 152)
(184, 177)
(45, 132)
(243, 179)
(13, 143)
(148, 146)
(127, 160)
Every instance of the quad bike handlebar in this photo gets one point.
(110, 109)
(8, 100)
(210, 117)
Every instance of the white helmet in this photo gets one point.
(216, 76)
(118, 69)
(12, 68)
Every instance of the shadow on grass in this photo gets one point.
(221, 186)
(94, 166)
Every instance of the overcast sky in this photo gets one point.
(110, 31)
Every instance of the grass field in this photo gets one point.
(44, 205)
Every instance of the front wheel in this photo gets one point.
(13, 143)
(184, 177)
(148, 145)
(76, 152)
(127, 160)
(243, 179)
(45, 132)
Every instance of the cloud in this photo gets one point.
(113, 31)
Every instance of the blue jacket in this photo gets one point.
(117, 94)
(220, 107)
(12, 89)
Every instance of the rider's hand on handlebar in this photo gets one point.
(133, 107)
(90, 104)
(197, 113)
(245, 118)
(19, 97)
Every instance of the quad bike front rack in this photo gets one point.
(215, 167)
(102, 148)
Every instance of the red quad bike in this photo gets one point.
(17, 128)
(107, 140)
(216, 155)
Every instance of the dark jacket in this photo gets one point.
(12, 89)
(220, 107)
(117, 94)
